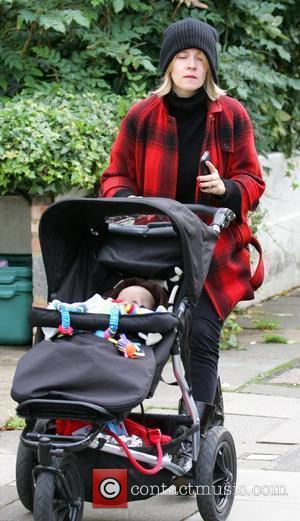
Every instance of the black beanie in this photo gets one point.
(189, 33)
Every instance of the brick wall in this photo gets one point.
(39, 205)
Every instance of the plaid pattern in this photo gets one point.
(144, 159)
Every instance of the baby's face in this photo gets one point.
(137, 295)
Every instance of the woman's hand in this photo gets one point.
(211, 183)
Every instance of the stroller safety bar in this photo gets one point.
(150, 323)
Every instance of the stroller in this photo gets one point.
(87, 248)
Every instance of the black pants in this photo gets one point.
(204, 350)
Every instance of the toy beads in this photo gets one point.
(113, 325)
(65, 327)
(113, 321)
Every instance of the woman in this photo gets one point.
(157, 153)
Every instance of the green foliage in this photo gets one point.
(266, 324)
(104, 49)
(229, 333)
(13, 423)
(52, 143)
(274, 339)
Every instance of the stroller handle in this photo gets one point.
(222, 217)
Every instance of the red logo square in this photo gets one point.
(110, 488)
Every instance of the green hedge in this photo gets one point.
(55, 142)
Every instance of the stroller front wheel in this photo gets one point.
(216, 475)
(51, 501)
(26, 461)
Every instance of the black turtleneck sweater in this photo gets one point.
(190, 114)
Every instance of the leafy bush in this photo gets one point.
(52, 143)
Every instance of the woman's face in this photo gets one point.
(188, 72)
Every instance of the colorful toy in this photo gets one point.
(65, 327)
(123, 344)
(128, 348)
(113, 325)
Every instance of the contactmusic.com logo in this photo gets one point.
(110, 488)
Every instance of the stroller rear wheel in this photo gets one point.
(51, 500)
(216, 475)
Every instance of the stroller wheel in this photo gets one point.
(216, 475)
(51, 501)
(26, 460)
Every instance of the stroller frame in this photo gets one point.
(51, 448)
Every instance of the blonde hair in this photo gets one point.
(212, 90)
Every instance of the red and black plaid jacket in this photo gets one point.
(144, 159)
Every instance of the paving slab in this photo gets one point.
(9, 356)
(282, 308)
(8, 495)
(236, 368)
(288, 432)
(288, 462)
(247, 430)
(290, 377)
(9, 441)
(286, 321)
(268, 406)
(273, 390)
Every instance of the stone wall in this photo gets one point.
(39, 205)
(280, 231)
(15, 236)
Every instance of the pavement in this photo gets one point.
(261, 389)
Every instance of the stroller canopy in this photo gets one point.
(69, 228)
